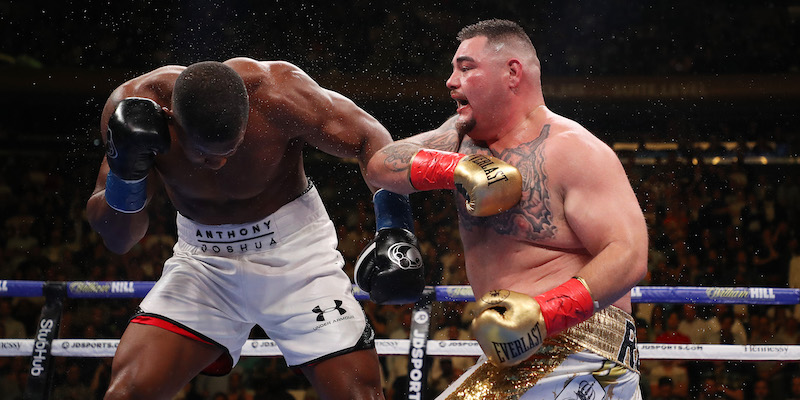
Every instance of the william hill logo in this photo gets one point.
(741, 293)
(102, 287)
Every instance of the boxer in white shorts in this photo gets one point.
(225, 142)
(282, 273)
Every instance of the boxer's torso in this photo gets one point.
(266, 171)
(530, 248)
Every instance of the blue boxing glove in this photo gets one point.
(137, 131)
(390, 267)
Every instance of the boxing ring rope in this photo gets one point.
(44, 345)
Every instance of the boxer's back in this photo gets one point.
(266, 170)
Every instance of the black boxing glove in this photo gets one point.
(137, 131)
(390, 267)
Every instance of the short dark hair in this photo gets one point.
(496, 30)
(210, 101)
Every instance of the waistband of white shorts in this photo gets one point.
(252, 237)
(611, 333)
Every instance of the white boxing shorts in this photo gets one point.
(596, 359)
(282, 273)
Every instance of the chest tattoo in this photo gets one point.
(532, 218)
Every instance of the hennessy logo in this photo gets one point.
(321, 313)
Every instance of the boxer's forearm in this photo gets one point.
(120, 231)
(389, 167)
(627, 263)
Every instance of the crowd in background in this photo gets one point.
(726, 223)
(729, 224)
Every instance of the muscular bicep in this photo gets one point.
(599, 203)
(396, 157)
(325, 119)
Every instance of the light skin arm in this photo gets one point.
(335, 124)
(389, 168)
(120, 231)
(601, 208)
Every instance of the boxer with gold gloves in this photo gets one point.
(553, 235)
(510, 327)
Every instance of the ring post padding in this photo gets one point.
(420, 328)
(41, 371)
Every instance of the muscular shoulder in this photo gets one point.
(156, 85)
(576, 154)
(270, 79)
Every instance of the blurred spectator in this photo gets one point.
(13, 328)
(666, 390)
(728, 328)
(794, 388)
(710, 389)
(73, 387)
(762, 391)
(677, 374)
(236, 388)
(671, 334)
(697, 329)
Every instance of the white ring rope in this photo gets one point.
(442, 348)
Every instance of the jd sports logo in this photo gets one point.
(321, 313)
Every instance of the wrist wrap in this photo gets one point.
(566, 306)
(392, 210)
(434, 169)
(126, 196)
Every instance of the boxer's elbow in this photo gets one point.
(381, 175)
(118, 243)
(637, 261)
(119, 232)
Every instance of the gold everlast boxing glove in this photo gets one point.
(489, 184)
(509, 327)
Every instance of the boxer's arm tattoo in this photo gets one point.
(446, 138)
(398, 155)
(532, 218)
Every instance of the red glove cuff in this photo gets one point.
(434, 169)
(565, 306)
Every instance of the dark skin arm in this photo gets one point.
(121, 231)
(334, 123)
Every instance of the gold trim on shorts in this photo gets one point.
(609, 333)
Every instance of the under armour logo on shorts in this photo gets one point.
(321, 312)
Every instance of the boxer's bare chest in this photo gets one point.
(539, 216)
(265, 173)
